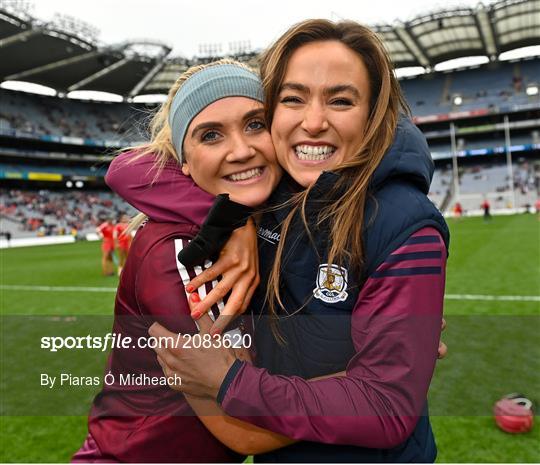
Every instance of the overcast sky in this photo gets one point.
(185, 24)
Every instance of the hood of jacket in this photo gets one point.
(407, 158)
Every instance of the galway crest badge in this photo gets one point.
(331, 284)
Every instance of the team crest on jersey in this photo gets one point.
(331, 284)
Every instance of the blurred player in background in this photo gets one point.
(486, 207)
(458, 210)
(122, 240)
(105, 232)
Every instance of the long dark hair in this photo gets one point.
(346, 214)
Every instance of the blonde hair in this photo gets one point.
(160, 145)
(346, 214)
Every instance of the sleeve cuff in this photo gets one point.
(233, 370)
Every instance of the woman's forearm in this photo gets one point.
(154, 192)
(244, 438)
(240, 436)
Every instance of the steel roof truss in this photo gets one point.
(99, 74)
(149, 76)
(51, 66)
(20, 37)
(412, 44)
(486, 32)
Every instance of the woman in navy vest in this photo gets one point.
(353, 258)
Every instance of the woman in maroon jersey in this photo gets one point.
(218, 132)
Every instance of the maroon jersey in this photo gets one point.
(140, 421)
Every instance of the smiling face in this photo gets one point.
(322, 110)
(228, 149)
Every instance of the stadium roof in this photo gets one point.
(444, 35)
(65, 55)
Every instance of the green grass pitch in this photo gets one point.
(493, 343)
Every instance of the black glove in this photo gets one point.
(223, 218)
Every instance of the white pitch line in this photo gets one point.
(9, 287)
(507, 298)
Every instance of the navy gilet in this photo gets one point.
(318, 339)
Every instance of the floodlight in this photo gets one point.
(532, 89)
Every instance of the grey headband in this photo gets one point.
(204, 88)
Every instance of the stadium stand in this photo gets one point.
(491, 181)
(489, 86)
(44, 212)
(425, 94)
(23, 171)
(441, 184)
(480, 179)
(495, 144)
(50, 116)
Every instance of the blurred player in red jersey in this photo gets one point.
(486, 207)
(458, 210)
(122, 240)
(105, 231)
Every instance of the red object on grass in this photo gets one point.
(514, 414)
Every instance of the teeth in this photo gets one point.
(314, 153)
(255, 172)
